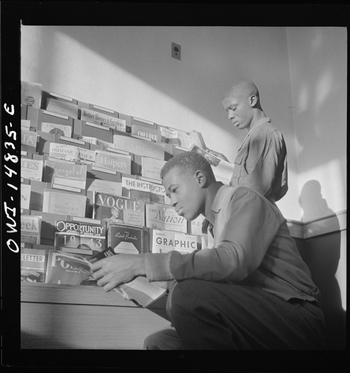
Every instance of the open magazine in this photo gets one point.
(74, 269)
(222, 169)
(140, 290)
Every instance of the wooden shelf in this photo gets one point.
(85, 317)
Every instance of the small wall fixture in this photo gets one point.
(176, 51)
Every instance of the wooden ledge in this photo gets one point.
(318, 227)
(80, 295)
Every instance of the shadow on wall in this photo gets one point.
(322, 254)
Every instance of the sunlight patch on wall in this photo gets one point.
(333, 174)
(303, 100)
(89, 77)
(298, 147)
(68, 67)
(323, 88)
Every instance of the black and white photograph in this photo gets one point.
(230, 118)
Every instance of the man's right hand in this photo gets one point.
(217, 154)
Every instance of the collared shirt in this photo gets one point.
(252, 246)
(261, 161)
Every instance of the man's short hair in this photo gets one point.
(243, 87)
(189, 162)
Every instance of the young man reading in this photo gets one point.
(261, 161)
(251, 290)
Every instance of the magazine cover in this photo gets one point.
(31, 94)
(33, 265)
(25, 195)
(62, 107)
(116, 209)
(146, 132)
(164, 217)
(67, 268)
(61, 129)
(32, 169)
(80, 238)
(151, 167)
(30, 229)
(165, 241)
(87, 156)
(67, 234)
(140, 147)
(29, 140)
(62, 151)
(169, 135)
(146, 191)
(93, 237)
(65, 174)
(89, 115)
(125, 239)
(104, 186)
(57, 202)
(113, 161)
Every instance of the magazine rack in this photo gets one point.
(106, 152)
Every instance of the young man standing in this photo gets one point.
(261, 161)
(251, 290)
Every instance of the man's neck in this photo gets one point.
(258, 115)
(211, 194)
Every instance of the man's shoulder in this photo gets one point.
(244, 190)
(265, 130)
(240, 191)
(265, 127)
(251, 197)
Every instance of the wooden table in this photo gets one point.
(85, 317)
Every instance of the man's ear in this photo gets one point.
(253, 99)
(201, 178)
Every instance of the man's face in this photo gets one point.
(185, 193)
(239, 111)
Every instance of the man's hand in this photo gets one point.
(118, 269)
(217, 154)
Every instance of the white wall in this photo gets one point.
(318, 75)
(130, 69)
